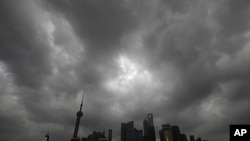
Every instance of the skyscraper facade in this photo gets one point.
(138, 135)
(110, 135)
(192, 138)
(129, 133)
(183, 137)
(176, 133)
(96, 136)
(123, 132)
(198, 139)
(148, 128)
(46, 137)
(166, 133)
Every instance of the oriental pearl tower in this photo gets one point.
(79, 115)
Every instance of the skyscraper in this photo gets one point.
(166, 133)
(148, 128)
(110, 135)
(96, 136)
(176, 133)
(183, 137)
(46, 137)
(123, 131)
(192, 138)
(138, 134)
(198, 139)
(79, 115)
(145, 127)
(129, 133)
(150, 119)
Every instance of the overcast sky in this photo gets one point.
(185, 61)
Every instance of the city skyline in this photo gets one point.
(184, 61)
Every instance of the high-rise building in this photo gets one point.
(198, 139)
(176, 133)
(84, 139)
(183, 137)
(123, 131)
(150, 119)
(79, 115)
(129, 133)
(166, 133)
(110, 135)
(97, 136)
(138, 134)
(148, 128)
(46, 137)
(192, 138)
(145, 127)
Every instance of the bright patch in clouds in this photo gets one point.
(130, 74)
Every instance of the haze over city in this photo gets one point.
(184, 61)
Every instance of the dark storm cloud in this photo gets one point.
(100, 25)
(195, 54)
(21, 50)
(233, 17)
(189, 44)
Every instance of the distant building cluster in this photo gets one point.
(98, 136)
(172, 133)
(167, 133)
(130, 133)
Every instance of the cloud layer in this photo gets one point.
(185, 61)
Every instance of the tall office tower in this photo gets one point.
(192, 138)
(198, 139)
(183, 137)
(123, 131)
(97, 136)
(138, 135)
(110, 135)
(176, 133)
(150, 119)
(148, 127)
(130, 131)
(46, 137)
(145, 127)
(79, 115)
(166, 133)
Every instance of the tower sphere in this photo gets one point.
(79, 114)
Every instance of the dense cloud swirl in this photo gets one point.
(185, 61)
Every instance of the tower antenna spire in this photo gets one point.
(78, 115)
(82, 102)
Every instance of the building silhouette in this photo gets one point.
(123, 131)
(138, 135)
(148, 128)
(130, 133)
(176, 133)
(95, 136)
(183, 137)
(110, 135)
(198, 139)
(46, 137)
(78, 115)
(166, 133)
(192, 138)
